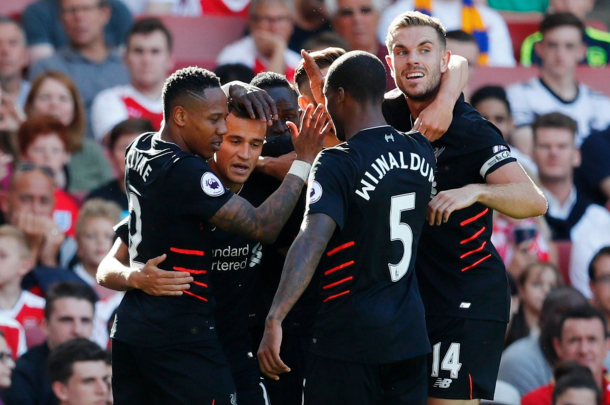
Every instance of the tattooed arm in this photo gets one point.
(303, 258)
(265, 222)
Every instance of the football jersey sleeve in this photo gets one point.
(122, 230)
(195, 189)
(329, 185)
(493, 151)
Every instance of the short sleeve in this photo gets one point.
(329, 185)
(196, 189)
(122, 230)
(493, 152)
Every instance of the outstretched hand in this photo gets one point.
(154, 281)
(308, 140)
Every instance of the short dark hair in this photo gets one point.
(325, 39)
(461, 36)
(234, 71)
(323, 59)
(415, 19)
(268, 80)
(554, 20)
(128, 126)
(149, 25)
(571, 375)
(605, 251)
(360, 74)
(62, 358)
(559, 300)
(68, 289)
(490, 92)
(191, 79)
(582, 312)
(554, 120)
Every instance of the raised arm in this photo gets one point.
(301, 262)
(435, 119)
(114, 273)
(509, 190)
(265, 222)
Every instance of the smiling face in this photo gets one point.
(417, 59)
(241, 148)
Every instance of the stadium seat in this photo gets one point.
(595, 78)
(564, 252)
(199, 40)
(520, 26)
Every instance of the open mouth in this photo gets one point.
(240, 169)
(415, 75)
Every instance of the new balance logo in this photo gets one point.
(388, 137)
(442, 383)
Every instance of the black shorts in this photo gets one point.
(185, 374)
(248, 380)
(336, 382)
(465, 357)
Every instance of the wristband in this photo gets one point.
(300, 169)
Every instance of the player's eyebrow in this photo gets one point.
(425, 42)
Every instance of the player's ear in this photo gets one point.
(445, 60)
(179, 114)
(302, 103)
(390, 62)
(60, 390)
(340, 95)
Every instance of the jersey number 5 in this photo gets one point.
(401, 231)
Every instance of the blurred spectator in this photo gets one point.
(118, 140)
(582, 338)
(28, 205)
(87, 55)
(534, 284)
(54, 93)
(42, 21)
(234, 71)
(78, 373)
(462, 43)
(94, 236)
(556, 89)
(189, 8)
(13, 60)
(492, 103)
(310, 20)
(488, 24)
(357, 21)
(22, 306)
(271, 24)
(323, 40)
(592, 177)
(68, 315)
(43, 142)
(570, 216)
(149, 61)
(527, 363)
(522, 6)
(599, 281)
(323, 58)
(576, 389)
(14, 334)
(597, 42)
(7, 364)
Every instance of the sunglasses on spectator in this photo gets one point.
(349, 12)
(31, 167)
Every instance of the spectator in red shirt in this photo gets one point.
(582, 338)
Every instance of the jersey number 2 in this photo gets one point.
(401, 231)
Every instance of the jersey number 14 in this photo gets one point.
(402, 232)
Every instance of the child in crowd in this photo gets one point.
(534, 284)
(16, 303)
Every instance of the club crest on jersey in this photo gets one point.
(211, 185)
(315, 193)
(438, 151)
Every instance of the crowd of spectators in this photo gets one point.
(81, 79)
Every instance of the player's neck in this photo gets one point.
(565, 87)
(10, 293)
(416, 107)
(362, 117)
(234, 187)
(167, 135)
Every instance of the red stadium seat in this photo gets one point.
(596, 78)
(520, 26)
(199, 40)
(564, 252)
